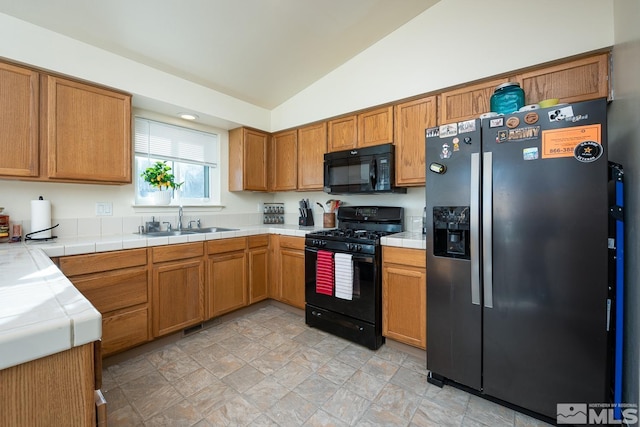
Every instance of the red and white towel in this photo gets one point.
(344, 276)
(324, 273)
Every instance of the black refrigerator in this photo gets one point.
(520, 252)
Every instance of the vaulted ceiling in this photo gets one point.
(259, 51)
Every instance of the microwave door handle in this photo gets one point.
(372, 174)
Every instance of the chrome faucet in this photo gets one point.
(180, 218)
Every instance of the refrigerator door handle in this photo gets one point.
(487, 230)
(475, 228)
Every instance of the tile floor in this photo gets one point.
(267, 368)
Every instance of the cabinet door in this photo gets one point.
(284, 155)
(255, 160)
(178, 300)
(312, 145)
(124, 329)
(292, 277)
(227, 283)
(87, 131)
(19, 108)
(375, 127)
(574, 81)
(258, 259)
(467, 102)
(404, 314)
(342, 133)
(411, 120)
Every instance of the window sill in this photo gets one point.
(191, 208)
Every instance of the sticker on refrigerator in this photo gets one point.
(562, 142)
(467, 126)
(448, 130)
(530, 153)
(561, 113)
(531, 118)
(496, 123)
(513, 122)
(445, 153)
(433, 132)
(456, 144)
(588, 151)
(519, 134)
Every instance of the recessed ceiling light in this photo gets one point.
(188, 116)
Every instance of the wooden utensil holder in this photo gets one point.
(329, 220)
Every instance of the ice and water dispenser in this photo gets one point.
(451, 231)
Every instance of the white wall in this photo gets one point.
(453, 42)
(624, 139)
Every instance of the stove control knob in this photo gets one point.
(323, 243)
(358, 248)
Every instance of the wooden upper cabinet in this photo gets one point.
(342, 133)
(573, 81)
(411, 120)
(248, 159)
(375, 127)
(284, 153)
(467, 102)
(19, 112)
(86, 131)
(312, 145)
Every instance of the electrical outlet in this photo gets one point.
(104, 209)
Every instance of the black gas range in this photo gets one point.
(343, 273)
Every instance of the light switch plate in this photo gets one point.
(104, 209)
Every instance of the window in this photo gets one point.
(193, 157)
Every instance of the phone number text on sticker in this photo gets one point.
(562, 142)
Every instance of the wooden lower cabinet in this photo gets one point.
(227, 276)
(404, 295)
(258, 267)
(117, 285)
(178, 287)
(291, 271)
(55, 390)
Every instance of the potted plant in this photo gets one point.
(161, 179)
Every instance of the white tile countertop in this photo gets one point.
(41, 312)
(89, 244)
(406, 239)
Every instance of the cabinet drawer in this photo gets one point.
(125, 329)
(176, 252)
(113, 291)
(404, 256)
(292, 242)
(93, 263)
(259, 240)
(226, 245)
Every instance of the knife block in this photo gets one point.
(307, 219)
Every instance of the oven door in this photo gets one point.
(366, 288)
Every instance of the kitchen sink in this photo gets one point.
(210, 229)
(188, 231)
(169, 233)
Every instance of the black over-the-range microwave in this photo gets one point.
(363, 170)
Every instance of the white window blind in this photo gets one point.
(164, 141)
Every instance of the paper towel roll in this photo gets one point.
(41, 218)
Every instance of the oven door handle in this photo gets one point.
(368, 259)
